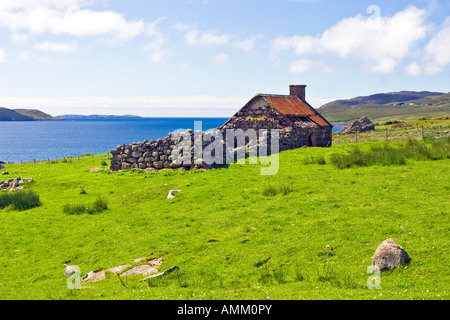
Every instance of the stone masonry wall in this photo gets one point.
(165, 153)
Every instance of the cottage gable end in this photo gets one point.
(298, 122)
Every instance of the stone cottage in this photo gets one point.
(299, 124)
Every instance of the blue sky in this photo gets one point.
(209, 57)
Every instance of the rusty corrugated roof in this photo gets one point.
(293, 106)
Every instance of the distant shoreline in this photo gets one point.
(87, 118)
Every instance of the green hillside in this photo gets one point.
(404, 105)
(233, 233)
(35, 114)
(11, 115)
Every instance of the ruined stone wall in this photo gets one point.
(155, 154)
(298, 137)
(166, 153)
(171, 152)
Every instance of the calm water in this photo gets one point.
(42, 140)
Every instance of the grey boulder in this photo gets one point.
(389, 255)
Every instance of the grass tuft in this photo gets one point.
(386, 155)
(97, 206)
(271, 191)
(82, 191)
(20, 201)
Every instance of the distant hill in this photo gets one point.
(95, 117)
(11, 115)
(23, 115)
(35, 114)
(402, 105)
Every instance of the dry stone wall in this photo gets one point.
(168, 153)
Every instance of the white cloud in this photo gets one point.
(413, 69)
(19, 37)
(63, 47)
(158, 53)
(300, 66)
(157, 46)
(24, 56)
(247, 45)
(437, 50)
(380, 43)
(183, 26)
(3, 57)
(187, 106)
(305, 65)
(196, 37)
(299, 45)
(221, 58)
(66, 17)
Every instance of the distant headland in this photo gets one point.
(24, 115)
(96, 117)
(37, 115)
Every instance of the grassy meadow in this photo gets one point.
(271, 232)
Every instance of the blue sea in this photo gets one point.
(43, 140)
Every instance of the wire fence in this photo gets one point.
(395, 134)
(380, 134)
(67, 159)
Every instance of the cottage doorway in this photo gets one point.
(312, 140)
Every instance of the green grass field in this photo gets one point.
(287, 220)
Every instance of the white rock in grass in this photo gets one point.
(172, 194)
(68, 271)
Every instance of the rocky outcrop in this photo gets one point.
(14, 184)
(361, 125)
(389, 255)
(149, 267)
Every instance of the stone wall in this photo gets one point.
(154, 154)
(298, 137)
(171, 152)
(166, 153)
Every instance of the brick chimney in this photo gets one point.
(298, 91)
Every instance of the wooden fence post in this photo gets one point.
(423, 136)
(386, 135)
(356, 137)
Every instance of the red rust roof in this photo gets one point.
(293, 106)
